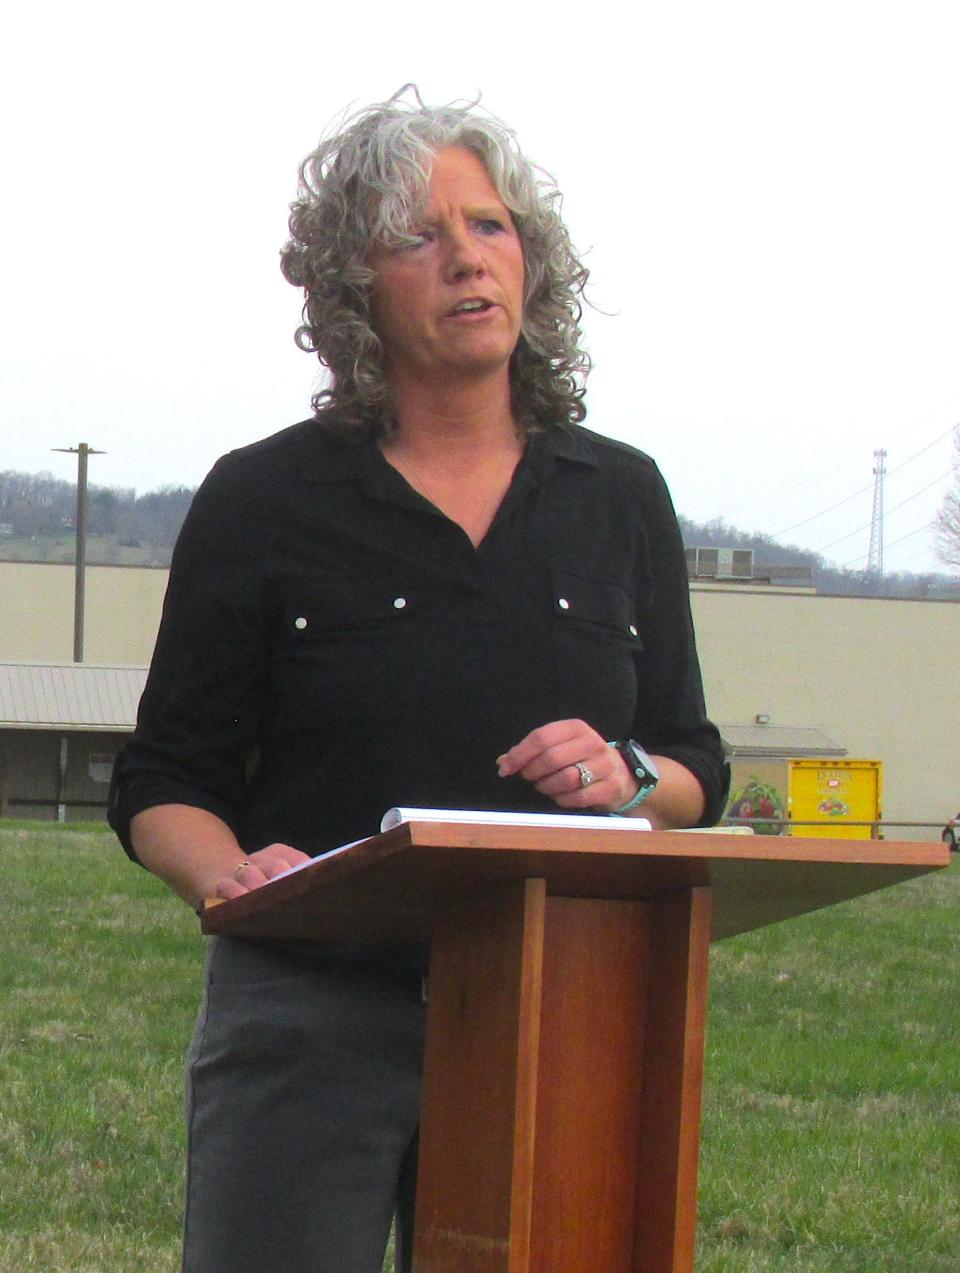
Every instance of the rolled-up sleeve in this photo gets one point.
(199, 714)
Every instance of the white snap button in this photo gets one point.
(399, 603)
(300, 623)
(563, 603)
(633, 629)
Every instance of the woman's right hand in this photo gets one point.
(197, 854)
(256, 869)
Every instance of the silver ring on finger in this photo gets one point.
(239, 867)
(587, 776)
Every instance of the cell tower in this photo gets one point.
(875, 555)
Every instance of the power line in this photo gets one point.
(751, 503)
(889, 511)
(850, 535)
(848, 498)
(922, 489)
(813, 518)
(919, 531)
(923, 449)
(916, 557)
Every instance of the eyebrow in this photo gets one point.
(490, 210)
(478, 212)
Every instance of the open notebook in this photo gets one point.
(394, 817)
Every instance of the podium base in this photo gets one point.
(562, 1084)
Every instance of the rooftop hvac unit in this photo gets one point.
(740, 563)
(720, 563)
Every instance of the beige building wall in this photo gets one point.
(880, 677)
(122, 613)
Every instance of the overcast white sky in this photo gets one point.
(768, 195)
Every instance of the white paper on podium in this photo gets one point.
(593, 821)
(292, 870)
(394, 818)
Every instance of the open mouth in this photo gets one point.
(473, 305)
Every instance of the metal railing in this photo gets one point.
(784, 825)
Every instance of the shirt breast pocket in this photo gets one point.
(346, 650)
(597, 645)
(350, 608)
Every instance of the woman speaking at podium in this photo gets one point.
(439, 591)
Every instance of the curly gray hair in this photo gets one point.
(364, 184)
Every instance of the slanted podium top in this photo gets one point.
(390, 886)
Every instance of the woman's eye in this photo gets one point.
(490, 225)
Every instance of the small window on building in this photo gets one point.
(100, 767)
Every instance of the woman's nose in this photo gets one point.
(464, 258)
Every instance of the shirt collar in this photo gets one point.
(341, 457)
(344, 459)
(566, 442)
(558, 443)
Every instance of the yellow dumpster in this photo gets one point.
(773, 793)
(836, 793)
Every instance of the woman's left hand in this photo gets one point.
(568, 761)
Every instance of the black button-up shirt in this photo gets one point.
(332, 645)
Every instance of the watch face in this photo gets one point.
(639, 761)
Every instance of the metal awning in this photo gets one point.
(69, 696)
(777, 740)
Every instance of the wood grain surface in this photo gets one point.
(390, 886)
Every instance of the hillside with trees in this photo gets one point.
(768, 554)
(37, 513)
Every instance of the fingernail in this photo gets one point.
(500, 762)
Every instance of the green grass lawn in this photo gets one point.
(98, 982)
(831, 1128)
(832, 1112)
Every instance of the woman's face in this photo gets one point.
(450, 305)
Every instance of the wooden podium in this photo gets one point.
(566, 1016)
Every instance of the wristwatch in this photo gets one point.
(641, 766)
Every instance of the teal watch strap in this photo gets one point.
(632, 804)
(644, 791)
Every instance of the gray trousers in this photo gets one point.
(303, 1094)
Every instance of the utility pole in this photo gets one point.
(875, 554)
(81, 452)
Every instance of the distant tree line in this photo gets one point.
(38, 507)
(825, 578)
(41, 506)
